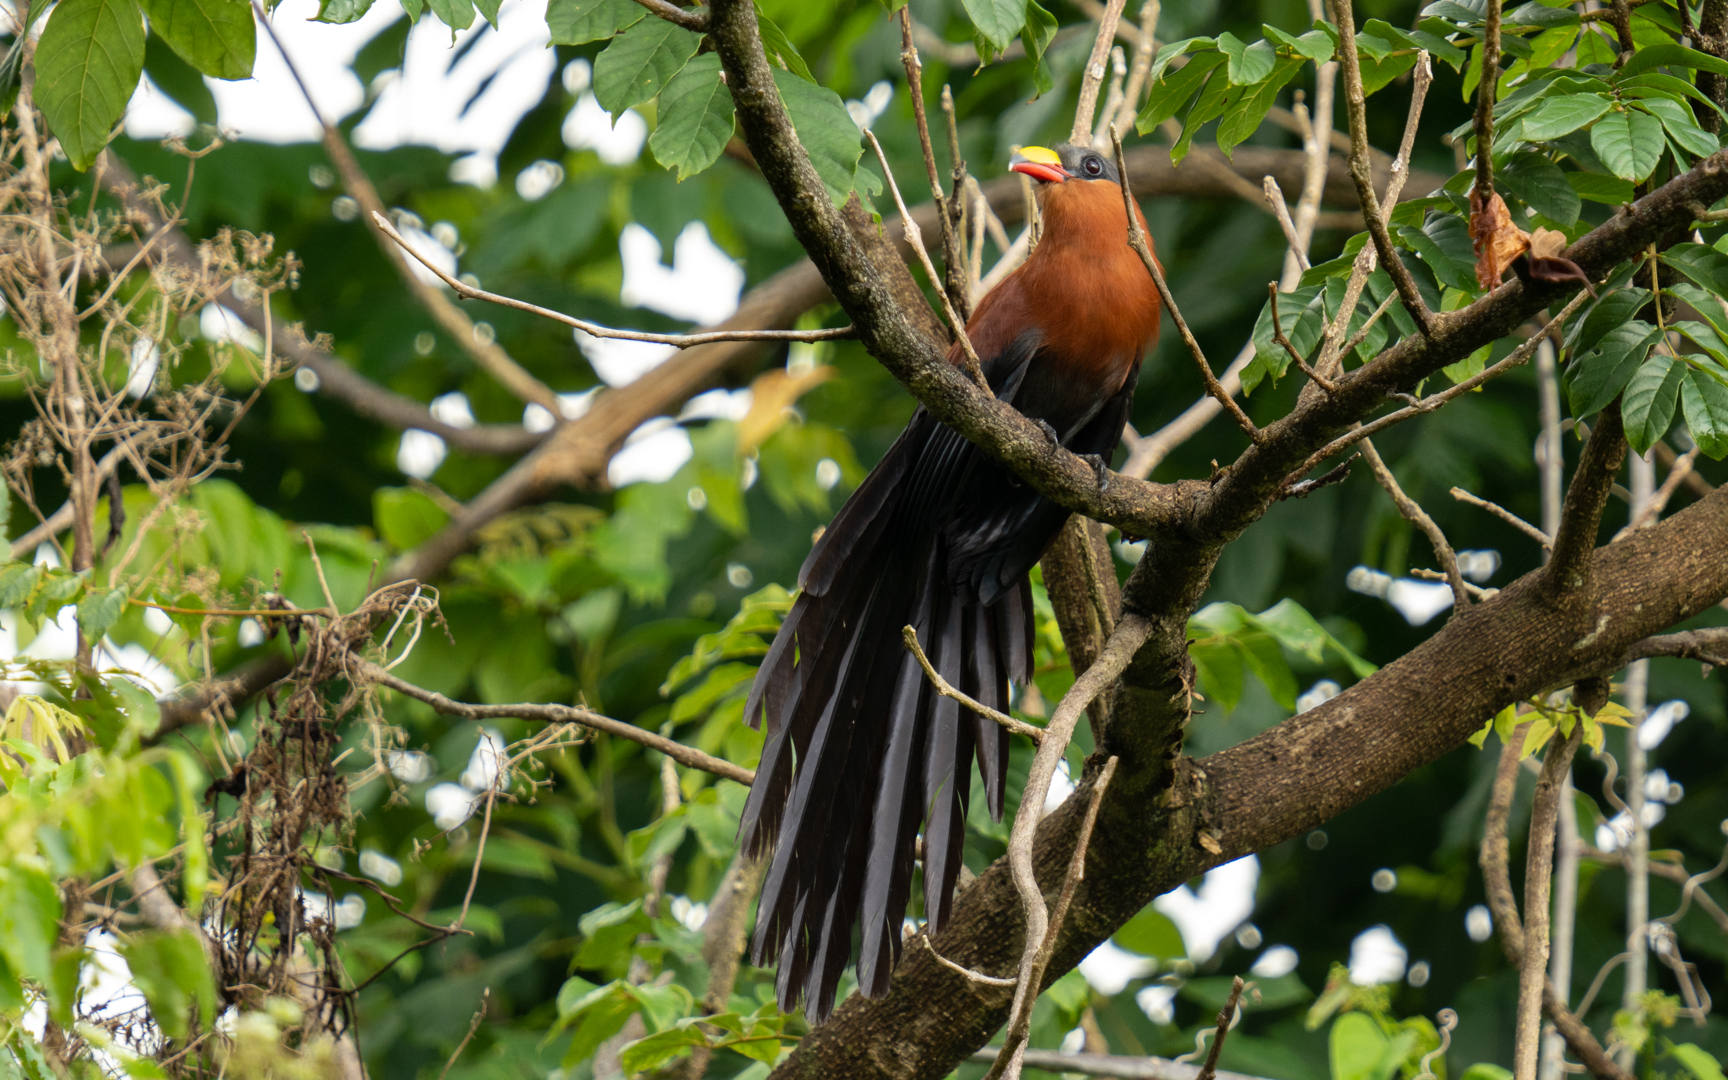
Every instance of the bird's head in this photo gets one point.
(1063, 163)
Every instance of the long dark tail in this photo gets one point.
(860, 749)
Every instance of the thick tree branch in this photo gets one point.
(1568, 570)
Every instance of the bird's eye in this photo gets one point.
(1093, 166)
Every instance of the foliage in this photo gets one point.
(581, 912)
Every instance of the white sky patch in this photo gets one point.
(1109, 968)
(717, 405)
(424, 105)
(690, 915)
(588, 126)
(703, 284)
(1417, 601)
(1478, 924)
(380, 867)
(106, 979)
(453, 409)
(1275, 963)
(538, 179)
(151, 114)
(653, 452)
(865, 112)
(537, 418)
(141, 367)
(619, 362)
(1377, 956)
(419, 453)
(408, 766)
(1158, 1003)
(217, 323)
(1318, 694)
(450, 805)
(485, 763)
(1660, 721)
(430, 249)
(1224, 902)
(1061, 786)
(269, 107)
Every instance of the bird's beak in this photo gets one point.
(1039, 163)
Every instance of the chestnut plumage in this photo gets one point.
(860, 751)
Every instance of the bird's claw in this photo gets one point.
(1049, 432)
(1101, 467)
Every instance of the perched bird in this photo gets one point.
(860, 750)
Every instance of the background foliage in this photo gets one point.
(650, 603)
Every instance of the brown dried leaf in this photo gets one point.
(1495, 239)
(1548, 266)
(773, 393)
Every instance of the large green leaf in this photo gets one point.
(456, 14)
(215, 36)
(577, 22)
(1543, 187)
(1248, 64)
(1562, 115)
(1702, 263)
(997, 21)
(695, 118)
(1677, 120)
(1167, 96)
(171, 972)
(826, 129)
(1242, 118)
(1630, 143)
(87, 65)
(1151, 933)
(1596, 377)
(1651, 396)
(639, 62)
(1704, 403)
(1651, 57)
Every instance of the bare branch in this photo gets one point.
(1709, 646)
(1094, 72)
(953, 253)
(1504, 515)
(1417, 516)
(944, 688)
(1137, 240)
(1226, 1020)
(1538, 880)
(682, 341)
(1568, 571)
(1119, 1066)
(971, 976)
(696, 21)
(559, 714)
(1486, 89)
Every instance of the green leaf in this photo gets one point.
(1301, 316)
(97, 612)
(1169, 95)
(1444, 244)
(1212, 103)
(826, 129)
(217, 36)
(1704, 403)
(1614, 309)
(1597, 377)
(1630, 143)
(1651, 395)
(659, 1048)
(1151, 933)
(1242, 118)
(1610, 190)
(17, 581)
(1248, 64)
(179, 80)
(87, 64)
(456, 14)
(1562, 115)
(489, 8)
(1376, 74)
(663, 1006)
(1657, 83)
(405, 517)
(1540, 184)
(1677, 120)
(779, 47)
(577, 22)
(1699, 1062)
(1039, 32)
(1316, 45)
(29, 922)
(1168, 53)
(1484, 1070)
(997, 21)
(598, 1013)
(1651, 57)
(1701, 263)
(608, 932)
(695, 118)
(171, 972)
(639, 62)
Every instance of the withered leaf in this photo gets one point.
(1494, 238)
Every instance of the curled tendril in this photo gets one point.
(1448, 1020)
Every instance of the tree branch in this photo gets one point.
(1568, 571)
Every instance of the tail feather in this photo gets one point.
(990, 689)
(947, 768)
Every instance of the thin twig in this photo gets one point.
(682, 341)
(1032, 966)
(1538, 880)
(1281, 338)
(1504, 515)
(1131, 632)
(947, 690)
(473, 1026)
(1275, 199)
(696, 21)
(1226, 1019)
(1433, 401)
(1144, 51)
(953, 253)
(915, 238)
(560, 714)
(1658, 502)
(1413, 512)
(1095, 70)
(1361, 171)
(1486, 89)
(1137, 240)
(974, 976)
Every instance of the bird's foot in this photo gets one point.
(1049, 432)
(1101, 467)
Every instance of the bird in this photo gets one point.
(859, 750)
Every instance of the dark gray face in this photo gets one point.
(1085, 163)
